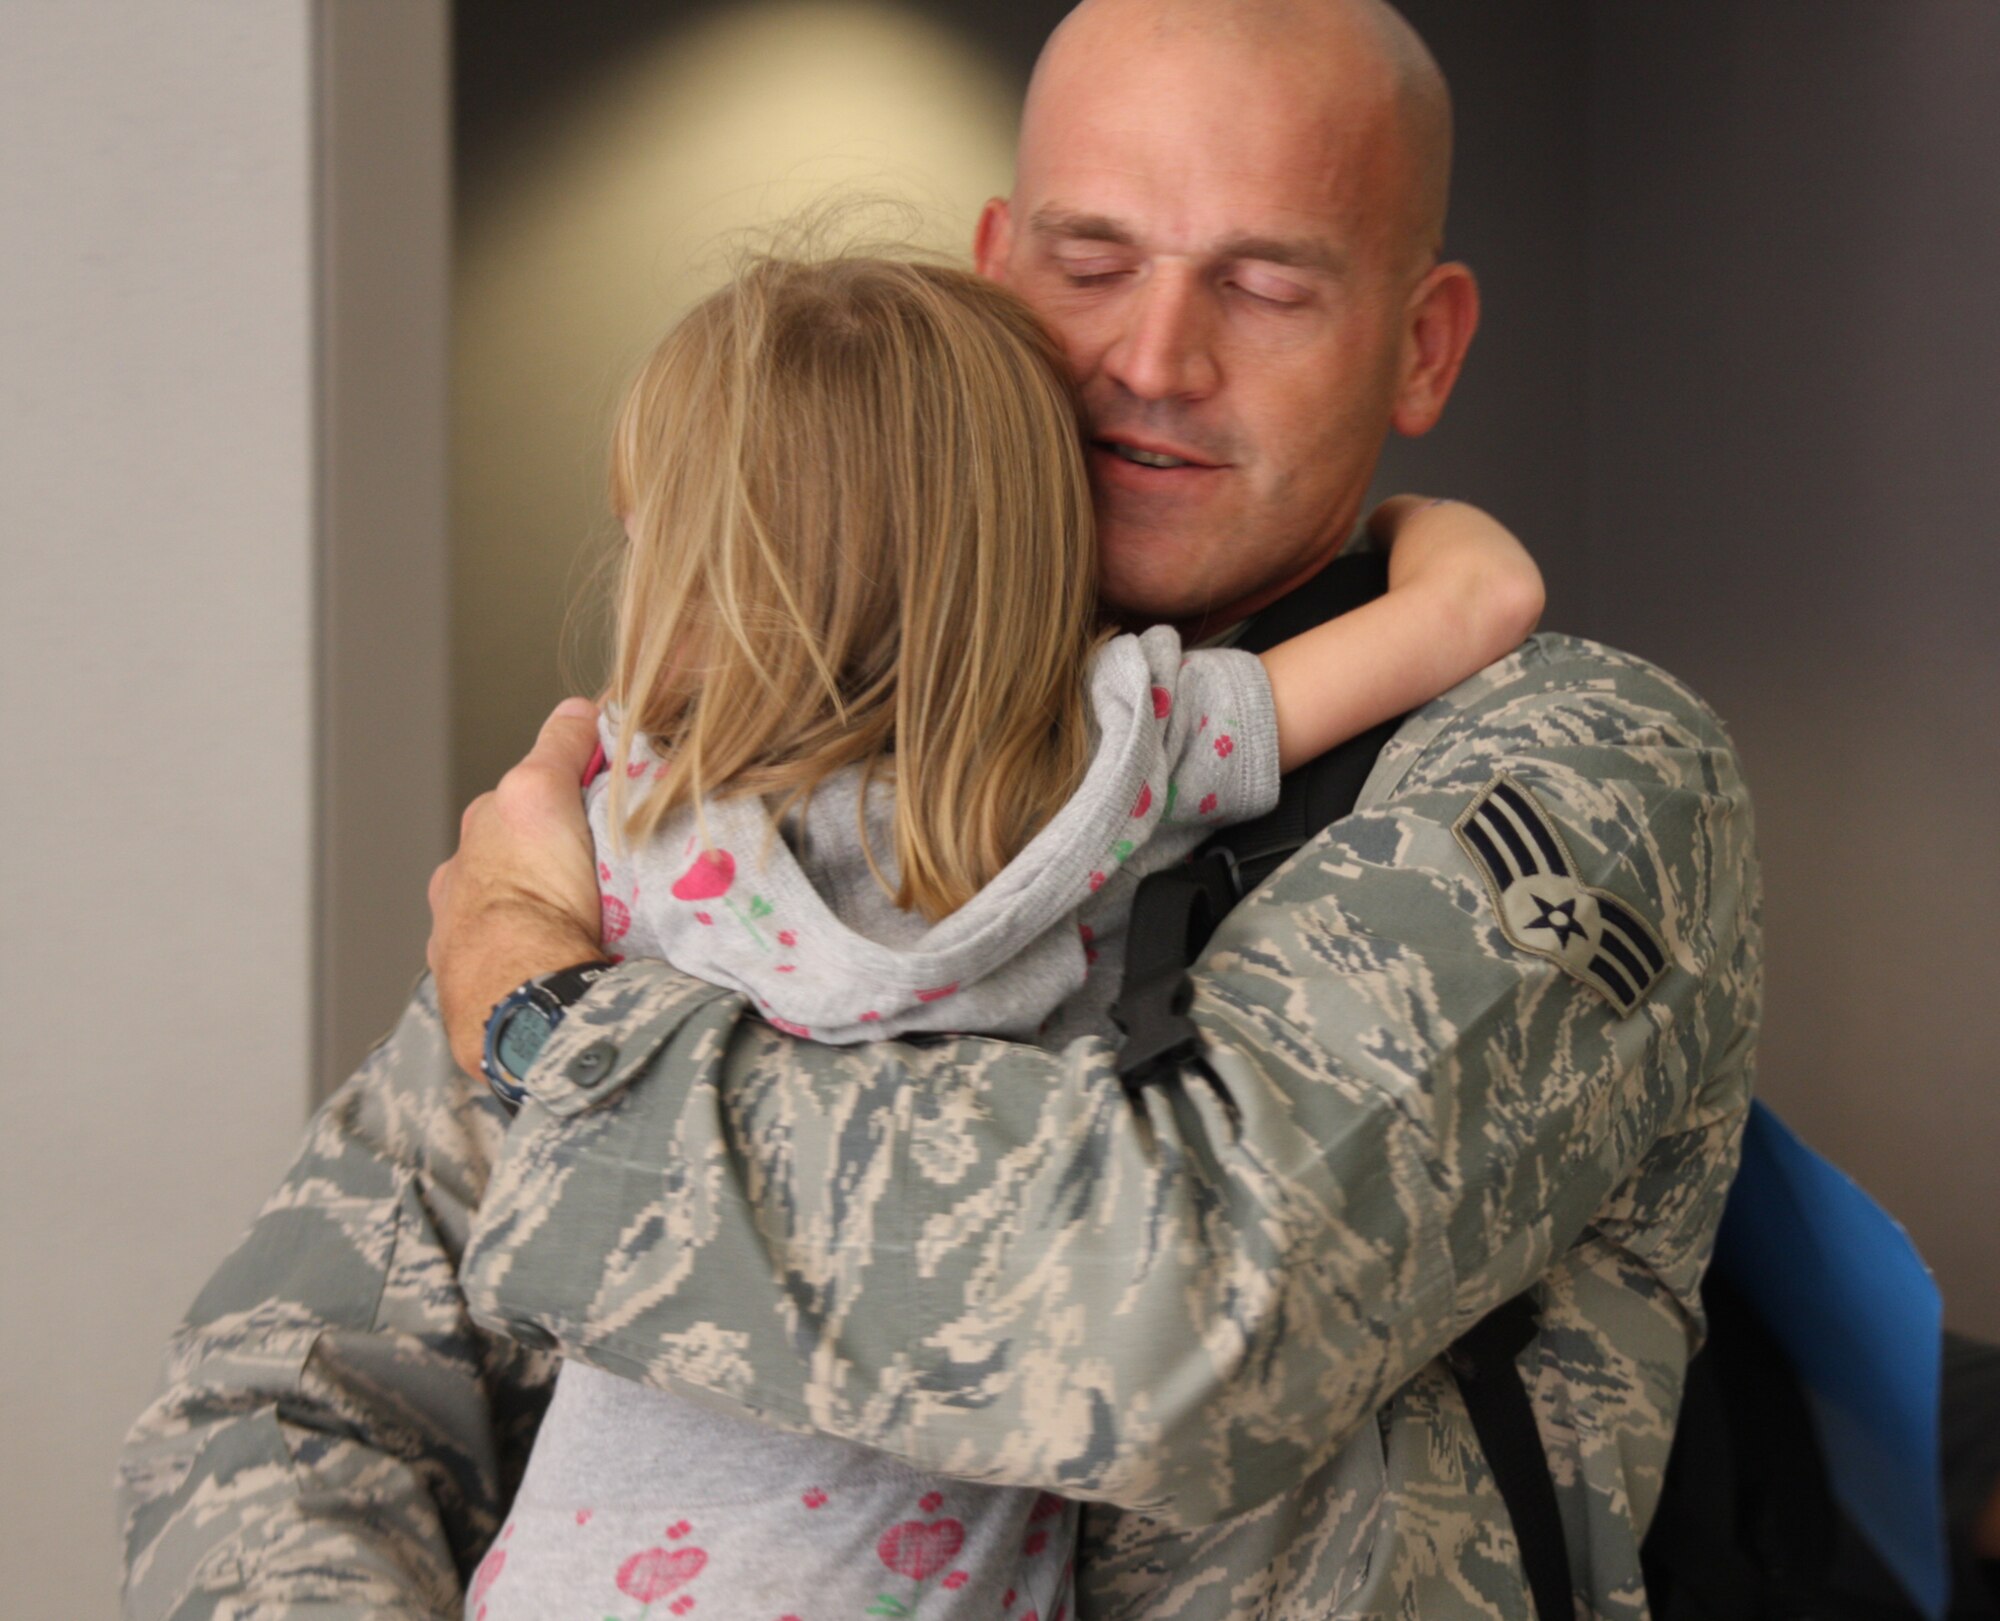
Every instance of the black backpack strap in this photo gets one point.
(1482, 1361)
(1313, 797)
(1176, 909)
(1173, 914)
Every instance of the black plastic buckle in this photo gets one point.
(1173, 914)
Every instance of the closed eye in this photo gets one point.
(1271, 297)
(1090, 276)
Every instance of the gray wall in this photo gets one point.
(1511, 435)
(604, 149)
(1794, 388)
(384, 803)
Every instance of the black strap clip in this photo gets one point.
(1173, 914)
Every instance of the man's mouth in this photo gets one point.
(1143, 457)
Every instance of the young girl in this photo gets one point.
(874, 764)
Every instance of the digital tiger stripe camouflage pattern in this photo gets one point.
(1216, 1311)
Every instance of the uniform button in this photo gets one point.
(592, 1064)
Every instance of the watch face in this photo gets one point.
(522, 1038)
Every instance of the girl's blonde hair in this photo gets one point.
(860, 534)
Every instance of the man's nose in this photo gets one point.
(1165, 348)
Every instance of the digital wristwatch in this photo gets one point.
(522, 1021)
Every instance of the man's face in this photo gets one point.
(1210, 243)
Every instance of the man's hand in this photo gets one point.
(520, 897)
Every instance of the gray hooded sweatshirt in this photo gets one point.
(636, 1498)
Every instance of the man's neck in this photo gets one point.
(1225, 622)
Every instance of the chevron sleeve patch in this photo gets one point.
(1546, 909)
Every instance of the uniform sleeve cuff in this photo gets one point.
(614, 1031)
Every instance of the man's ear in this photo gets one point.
(1443, 315)
(993, 240)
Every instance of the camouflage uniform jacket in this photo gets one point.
(1217, 1309)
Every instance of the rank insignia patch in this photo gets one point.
(1545, 908)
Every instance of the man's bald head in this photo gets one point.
(1359, 55)
(1230, 211)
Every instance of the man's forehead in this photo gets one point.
(1202, 198)
(1179, 139)
(1182, 106)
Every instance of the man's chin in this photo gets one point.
(1158, 580)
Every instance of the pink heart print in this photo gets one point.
(708, 879)
(488, 1573)
(1163, 703)
(920, 1551)
(653, 1573)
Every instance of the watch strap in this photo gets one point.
(567, 985)
(550, 996)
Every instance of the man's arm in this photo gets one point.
(335, 1438)
(988, 1259)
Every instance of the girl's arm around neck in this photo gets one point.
(1462, 593)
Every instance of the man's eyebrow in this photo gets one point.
(1088, 227)
(1300, 253)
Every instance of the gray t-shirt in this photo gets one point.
(636, 1497)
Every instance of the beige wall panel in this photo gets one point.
(156, 653)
